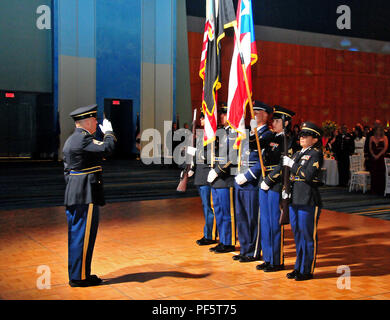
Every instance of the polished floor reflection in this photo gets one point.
(147, 250)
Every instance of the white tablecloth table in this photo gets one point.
(331, 175)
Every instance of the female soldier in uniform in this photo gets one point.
(305, 200)
(269, 195)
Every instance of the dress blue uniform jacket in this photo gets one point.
(253, 174)
(82, 167)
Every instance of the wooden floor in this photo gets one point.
(146, 250)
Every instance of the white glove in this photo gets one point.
(240, 179)
(190, 173)
(253, 124)
(106, 126)
(191, 151)
(212, 176)
(288, 161)
(264, 186)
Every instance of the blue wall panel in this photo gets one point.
(118, 52)
(86, 28)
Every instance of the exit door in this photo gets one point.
(120, 113)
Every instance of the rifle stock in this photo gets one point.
(182, 186)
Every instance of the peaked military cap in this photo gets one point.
(224, 108)
(84, 112)
(311, 129)
(279, 112)
(258, 105)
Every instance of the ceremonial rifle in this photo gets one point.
(286, 187)
(182, 187)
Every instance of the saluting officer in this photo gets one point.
(201, 170)
(247, 185)
(84, 191)
(272, 236)
(306, 200)
(222, 183)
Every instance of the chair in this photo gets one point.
(387, 187)
(360, 179)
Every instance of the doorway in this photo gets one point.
(120, 113)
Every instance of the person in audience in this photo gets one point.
(378, 145)
(343, 147)
(359, 140)
(367, 155)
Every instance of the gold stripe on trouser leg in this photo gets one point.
(86, 239)
(214, 235)
(281, 244)
(258, 234)
(314, 240)
(232, 217)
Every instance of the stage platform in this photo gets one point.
(146, 250)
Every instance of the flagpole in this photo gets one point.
(249, 98)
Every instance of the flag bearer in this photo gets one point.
(270, 191)
(247, 186)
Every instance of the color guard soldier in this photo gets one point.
(201, 170)
(222, 183)
(247, 185)
(272, 236)
(305, 199)
(84, 191)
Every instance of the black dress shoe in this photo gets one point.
(237, 257)
(271, 268)
(94, 279)
(91, 280)
(219, 245)
(262, 266)
(225, 249)
(292, 275)
(303, 276)
(248, 259)
(205, 242)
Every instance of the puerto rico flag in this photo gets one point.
(219, 16)
(237, 96)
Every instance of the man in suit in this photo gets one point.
(343, 147)
(84, 191)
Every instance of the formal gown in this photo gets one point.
(378, 169)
